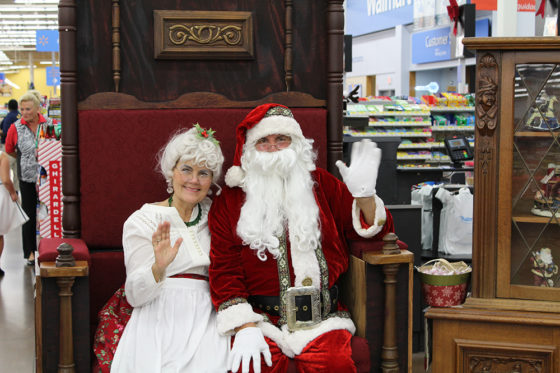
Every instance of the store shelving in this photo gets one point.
(420, 127)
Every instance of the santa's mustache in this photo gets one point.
(278, 163)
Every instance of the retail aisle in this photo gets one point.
(17, 327)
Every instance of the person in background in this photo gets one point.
(11, 214)
(172, 327)
(9, 119)
(21, 143)
(279, 235)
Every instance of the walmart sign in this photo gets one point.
(46, 40)
(365, 16)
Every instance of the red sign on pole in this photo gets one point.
(485, 4)
(56, 198)
(526, 6)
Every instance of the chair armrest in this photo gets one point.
(48, 253)
(358, 248)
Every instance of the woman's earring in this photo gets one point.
(169, 187)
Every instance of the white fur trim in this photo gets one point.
(299, 339)
(234, 176)
(235, 316)
(380, 218)
(293, 343)
(305, 265)
(277, 335)
(276, 124)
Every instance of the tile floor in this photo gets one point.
(17, 329)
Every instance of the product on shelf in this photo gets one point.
(421, 123)
(541, 116)
(547, 200)
(543, 267)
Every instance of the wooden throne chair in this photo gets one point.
(127, 83)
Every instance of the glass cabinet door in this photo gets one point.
(535, 183)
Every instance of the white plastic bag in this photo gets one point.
(456, 222)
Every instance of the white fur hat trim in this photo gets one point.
(275, 124)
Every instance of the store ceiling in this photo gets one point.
(19, 19)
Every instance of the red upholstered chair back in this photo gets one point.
(118, 170)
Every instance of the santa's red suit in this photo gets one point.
(237, 274)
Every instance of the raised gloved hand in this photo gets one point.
(249, 344)
(361, 176)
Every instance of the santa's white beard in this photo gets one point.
(279, 195)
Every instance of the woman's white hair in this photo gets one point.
(32, 96)
(188, 145)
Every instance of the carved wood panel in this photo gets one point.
(206, 35)
(479, 357)
(487, 115)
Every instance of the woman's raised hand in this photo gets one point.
(163, 251)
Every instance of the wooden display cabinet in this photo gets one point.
(511, 323)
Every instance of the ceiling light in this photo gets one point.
(3, 57)
(9, 82)
(2, 68)
(28, 9)
(36, 2)
(30, 16)
(29, 22)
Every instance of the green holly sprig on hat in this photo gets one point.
(206, 134)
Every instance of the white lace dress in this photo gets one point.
(173, 325)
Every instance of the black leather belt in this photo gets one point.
(271, 304)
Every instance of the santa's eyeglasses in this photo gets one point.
(273, 142)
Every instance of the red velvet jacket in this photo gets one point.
(236, 271)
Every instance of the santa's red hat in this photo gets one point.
(264, 120)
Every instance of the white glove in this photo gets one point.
(249, 343)
(361, 176)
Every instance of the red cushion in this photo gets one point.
(107, 274)
(360, 354)
(47, 249)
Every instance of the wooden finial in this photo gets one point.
(390, 244)
(65, 258)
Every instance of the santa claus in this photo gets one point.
(278, 247)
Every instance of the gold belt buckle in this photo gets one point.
(291, 308)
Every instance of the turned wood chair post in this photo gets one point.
(389, 354)
(66, 352)
(65, 270)
(390, 258)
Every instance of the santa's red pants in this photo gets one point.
(330, 352)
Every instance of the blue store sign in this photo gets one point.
(53, 76)
(482, 28)
(365, 16)
(46, 40)
(431, 46)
